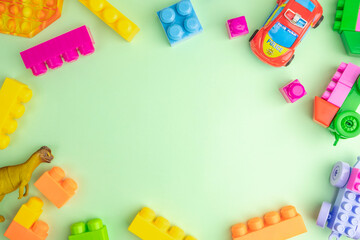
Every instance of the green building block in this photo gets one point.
(93, 230)
(351, 42)
(347, 12)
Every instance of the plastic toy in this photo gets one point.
(147, 227)
(18, 176)
(179, 22)
(28, 18)
(293, 91)
(38, 231)
(56, 187)
(344, 217)
(29, 212)
(337, 108)
(285, 28)
(51, 52)
(274, 226)
(12, 94)
(237, 27)
(93, 230)
(347, 23)
(113, 18)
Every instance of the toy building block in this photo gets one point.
(346, 17)
(29, 212)
(147, 227)
(12, 94)
(113, 18)
(38, 231)
(354, 180)
(56, 187)
(93, 230)
(237, 27)
(293, 91)
(351, 42)
(324, 112)
(51, 52)
(179, 21)
(28, 18)
(274, 226)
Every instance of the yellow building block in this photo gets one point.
(147, 227)
(12, 94)
(112, 17)
(29, 212)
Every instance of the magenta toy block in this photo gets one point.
(52, 52)
(336, 93)
(293, 91)
(237, 27)
(354, 180)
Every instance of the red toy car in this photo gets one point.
(276, 41)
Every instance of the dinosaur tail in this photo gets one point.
(2, 219)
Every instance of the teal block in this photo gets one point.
(93, 230)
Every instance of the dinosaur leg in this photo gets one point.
(2, 217)
(21, 189)
(26, 190)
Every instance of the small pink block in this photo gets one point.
(347, 74)
(237, 27)
(354, 180)
(358, 23)
(51, 52)
(293, 91)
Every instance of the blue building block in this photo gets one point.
(180, 21)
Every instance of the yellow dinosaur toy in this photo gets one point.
(18, 176)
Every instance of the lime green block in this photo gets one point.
(93, 230)
(346, 16)
(351, 42)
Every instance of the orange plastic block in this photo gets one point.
(274, 226)
(29, 212)
(38, 231)
(26, 18)
(56, 187)
(324, 112)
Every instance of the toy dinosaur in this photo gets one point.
(18, 176)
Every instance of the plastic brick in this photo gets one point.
(346, 15)
(237, 27)
(51, 52)
(113, 18)
(56, 187)
(273, 226)
(149, 227)
(324, 112)
(92, 230)
(354, 180)
(358, 23)
(293, 91)
(28, 18)
(336, 95)
(179, 22)
(351, 42)
(12, 94)
(29, 212)
(39, 231)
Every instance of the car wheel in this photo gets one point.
(253, 35)
(323, 214)
(340, 174)
(318, 22)
(347, 124)
(291, 59)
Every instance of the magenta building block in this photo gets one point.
(237, 27)
(52, 52)
(336, 93)
(293, 91)
(354, 180)
(347, 74)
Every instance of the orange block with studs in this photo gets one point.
(38, 231)
(324, 112)
(273, 226)
(56, 187)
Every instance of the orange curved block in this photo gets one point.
(29, 212)
(56, 187)
(26, 18)
(273, 226)
(324, 112)
(38, 231)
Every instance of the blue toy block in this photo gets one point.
(180, 21)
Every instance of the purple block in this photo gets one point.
(237, 27)
(53, 51)
(293, 91)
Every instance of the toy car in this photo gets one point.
(285, 28)
(344, 217)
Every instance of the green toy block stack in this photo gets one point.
(93, 230)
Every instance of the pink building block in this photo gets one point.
(293, 91)
(51, 52)
(358, 23)
(237, 27)
(354, 180)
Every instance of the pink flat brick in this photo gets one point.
(237, 27)
(354, 180)
(338, 95)
(293, 91)
(53, 51)
(347, 74)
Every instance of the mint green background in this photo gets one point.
(198, 132)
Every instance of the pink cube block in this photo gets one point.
(336, 93)
(354, 180)
(51, 52)
(347, 74)
(237, 27)
(293, 91)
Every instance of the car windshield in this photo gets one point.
(309, 5)
(283, 35)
